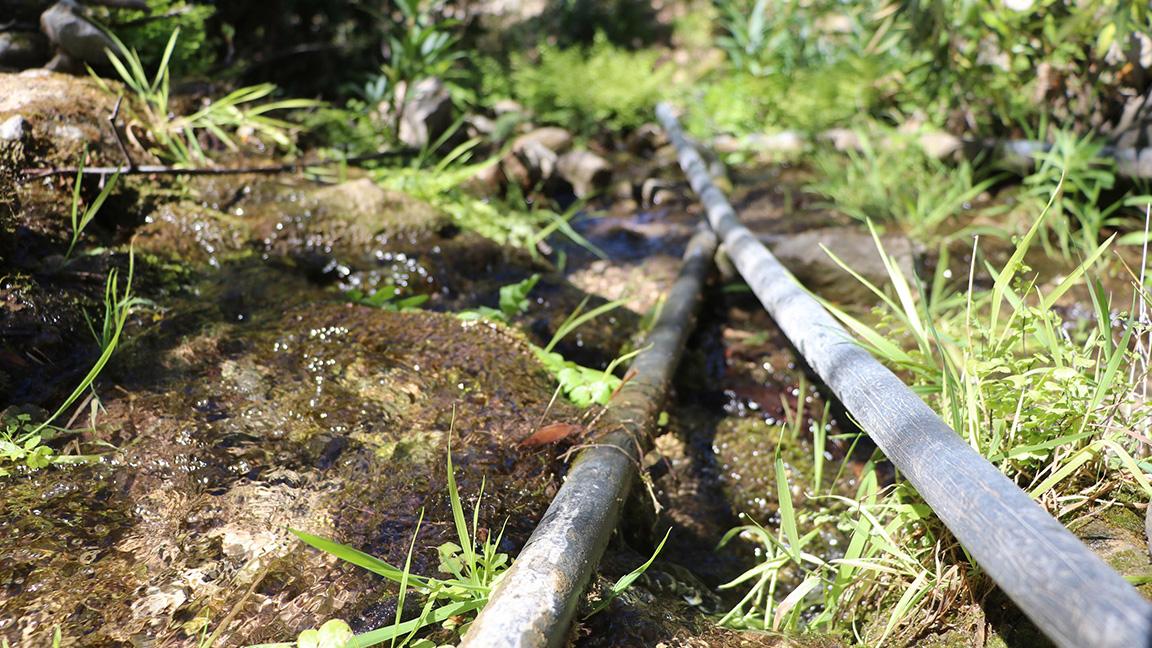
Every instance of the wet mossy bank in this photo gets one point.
(332, 418)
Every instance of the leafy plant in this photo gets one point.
(513, 302)
(178, 138)
(386, 298)
(582, 385)
(425, 47)
(22, 443)
(80, 220)
(148, 32)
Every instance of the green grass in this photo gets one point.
(23, 443)
(887, 183)
(511, 221)
(81, 219)
(469, 569)
(178, 138)
(1073, 171)
(585, 89)
(1050, 400)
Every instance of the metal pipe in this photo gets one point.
(1065, 589)
(536, 599)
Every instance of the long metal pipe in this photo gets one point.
(1065, 589)
(535, 601)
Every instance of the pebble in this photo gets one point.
(14, 129)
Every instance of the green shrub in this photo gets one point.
(585, 89)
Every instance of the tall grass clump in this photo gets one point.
(889, 182)
(1047, 397)
(181, 139)
(1073, 171)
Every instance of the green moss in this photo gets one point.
(148, 33)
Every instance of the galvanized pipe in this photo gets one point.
(1065, 589)
(535, 601)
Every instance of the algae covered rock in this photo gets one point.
(230, 431)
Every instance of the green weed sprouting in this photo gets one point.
(177, 138)
(80, 220)
(470, 572)
(513, 301)
(900, 184)
(386, 298)
(23, 442)
(583, 386)
(1077, 175)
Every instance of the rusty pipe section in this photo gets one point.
(536, 599)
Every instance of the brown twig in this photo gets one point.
(164, 169)
(116, 133)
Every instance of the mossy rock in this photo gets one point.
(330, 418)
(65, 114)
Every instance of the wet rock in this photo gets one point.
(587, 172)
(191, 233)
(805, 256)
(351, 219)
(190, 516)
(1117, 536)
(785, 142)
(646, 139)
(480, 126)
(364, 200)
(427, 113)
(531, 160)
(74, 37)
(842, 139)
(939, 145)
(22, 49)
(529, 163)
(507, 106)
(14, 129)
(63, 114)
(553, 138)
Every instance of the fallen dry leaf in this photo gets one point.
(551, 433)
